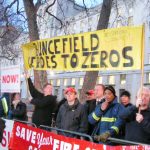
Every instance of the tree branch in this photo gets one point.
(47, 10)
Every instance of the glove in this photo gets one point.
(103, 137)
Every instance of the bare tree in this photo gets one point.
(91, 76)
(8, 32)
(13, 23)
(40, 77)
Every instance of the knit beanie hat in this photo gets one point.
(125, 93)
(110, 88)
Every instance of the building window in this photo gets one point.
(99, 80)
(56, 92)
(79, 92)
(111, 79)
(82, 26)
(148, 77)
(58, 82)
(65, 82)
(119, 24)
(81, 81)
(130, 21)
(122, 79)
(89, 29)
(148, 58)
(73, 81)
(51, 82)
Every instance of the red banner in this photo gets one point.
(25, 137)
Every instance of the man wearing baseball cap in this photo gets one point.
(72, 115)
(90, 95)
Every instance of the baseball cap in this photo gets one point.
(90, 92)
(70, 89)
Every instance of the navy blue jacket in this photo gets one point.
(108, 120)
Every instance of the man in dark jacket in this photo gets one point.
(138, 124)
(94, 98)
(98, 96)
(125, 98)
(72, 115)
(45, 104)
(125, 101)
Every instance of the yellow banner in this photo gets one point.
(111, 49)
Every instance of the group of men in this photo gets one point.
(102, 116)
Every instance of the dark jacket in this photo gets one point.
(137, 132)
(20, 112)
(91, 104)
(2, 127)
(108, 120)
(59, 105)
(44, 106)
(73, 118)
(122, 130)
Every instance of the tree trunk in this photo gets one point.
(91, 76)
(40, 77)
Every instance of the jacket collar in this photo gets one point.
(74, 106)
(115, 101)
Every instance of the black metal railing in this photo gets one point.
(82, 135)
(26, 122)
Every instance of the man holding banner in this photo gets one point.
(45, 103)
(138, 122)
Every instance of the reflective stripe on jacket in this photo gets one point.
(107, 120)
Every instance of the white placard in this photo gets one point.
(10, 79)
(6, 134)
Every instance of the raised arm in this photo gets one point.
(33, 91)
